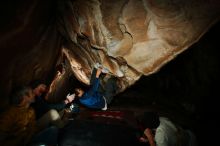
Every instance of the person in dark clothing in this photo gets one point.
(41, 104)
(97, 97)
(49, 110)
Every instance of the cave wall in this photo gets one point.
(186, 88)
(29, 43)
(132, 37)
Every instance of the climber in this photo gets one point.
(98, 97)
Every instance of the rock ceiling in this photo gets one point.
(131, 37)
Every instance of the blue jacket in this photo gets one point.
(92, 98)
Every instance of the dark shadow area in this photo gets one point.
(90, 133)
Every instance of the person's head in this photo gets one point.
(23, 96)
(79, 92)
(38, 88)
(150, 120)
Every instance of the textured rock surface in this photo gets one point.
(133, 37)
(130, 37)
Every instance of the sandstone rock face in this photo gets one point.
(131, 37)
